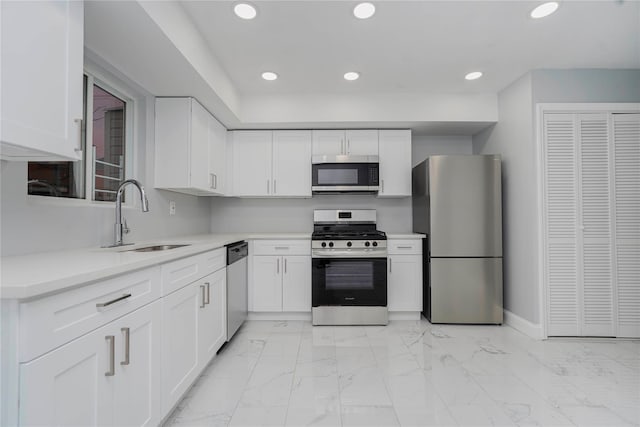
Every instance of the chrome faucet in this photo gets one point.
(119, 228)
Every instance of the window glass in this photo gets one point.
(108, 143)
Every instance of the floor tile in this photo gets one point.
(369, 416)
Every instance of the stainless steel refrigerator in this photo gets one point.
(457, 202)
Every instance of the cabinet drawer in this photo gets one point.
(180, 273)
(404, 246)
(49, 322)
(282, 247)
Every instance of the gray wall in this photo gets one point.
(296, 215)
(38, 224)
(514, 137)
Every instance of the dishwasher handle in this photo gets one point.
(237, 251)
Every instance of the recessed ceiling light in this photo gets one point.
(269, 75)
(351, 75)
(544, 9)
(245, 11)
(474, 75)
(364, 10)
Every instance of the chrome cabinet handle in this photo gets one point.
(348, 147)
(112, 356)
(267, 186)
(79, 122)
(208, 300)
(343, 149)
(390, 265)
(211, 184)
(215, 181)
(278, 266)
(281, 248)
(404, 247)
(127, 336)
(274, 187)
(113, 301)
(203, 300)
(285, 266)
(383, 185)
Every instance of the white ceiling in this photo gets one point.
(412, 56)
(413, 46)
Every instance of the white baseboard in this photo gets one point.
(518, 323)
(255, 315)
(404, 315)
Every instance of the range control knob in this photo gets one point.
(367, 244)
(349, 244)
(375, 243)
(324, 244)
(330, 244)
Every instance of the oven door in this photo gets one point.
(349, 282)
(344, 177)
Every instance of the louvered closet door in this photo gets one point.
(561, 185)
(594, 237)
(626, 137)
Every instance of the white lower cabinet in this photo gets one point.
(281, 283)
(107, 377)
(194, 329)
(404, 275)
(280, 276)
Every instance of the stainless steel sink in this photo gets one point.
(155, 248)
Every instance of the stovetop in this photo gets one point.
(349, 235)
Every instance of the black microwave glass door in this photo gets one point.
(349, 281)
(345, 174)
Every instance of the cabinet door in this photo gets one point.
(292, 163)
(395, 163)
(42, 73)
(404, 283)
(267, 283)
(137, 393)
(199, 153)
(179, 343)
(68, 386)
(296, 283)
(172, 139)
(217, 155)
(362, 142)
(252, 163)
(212, 318)
(328, 142)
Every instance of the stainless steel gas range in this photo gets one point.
(349, 264)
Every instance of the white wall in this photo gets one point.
(296, 215)
(512, 137)
(425, 146)
(38, 224)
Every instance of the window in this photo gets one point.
(106, 131)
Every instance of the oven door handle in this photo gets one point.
(333, 253)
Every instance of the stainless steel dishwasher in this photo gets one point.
(236, 286)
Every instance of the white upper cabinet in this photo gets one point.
(217, 156)
(190, 148)
(272, 164)
(292, 163)
(42, 72)
(395, 162)
(345, 142)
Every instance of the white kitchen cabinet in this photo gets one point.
(345, 142)
(212, 320)
(186, 139)
(404, 275)
(42, 72)
(395, 162)
(296, 283)
(272, 164)
(217, 156)
(107, 377)
(180, 351)
(280, 276)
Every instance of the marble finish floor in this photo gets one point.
(412, 373)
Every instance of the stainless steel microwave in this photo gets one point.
(344, 174)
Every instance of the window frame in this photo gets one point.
(95, 76)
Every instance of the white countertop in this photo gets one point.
(39, 274)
